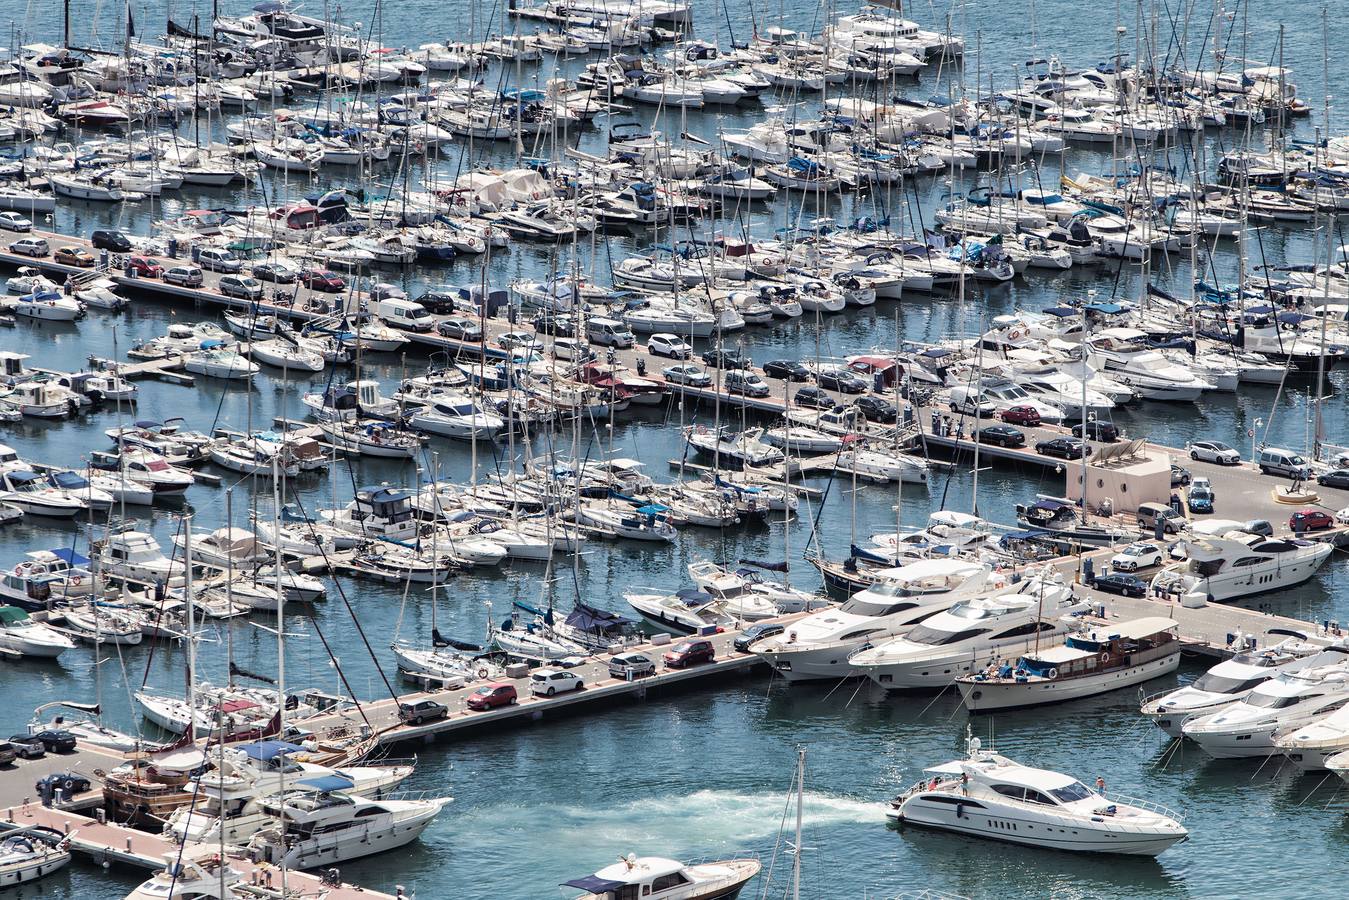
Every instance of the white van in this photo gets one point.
(1275, 461)
(610, 333)
(405, 314)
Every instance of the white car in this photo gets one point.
(668, 345)
(12, 221)
(1214, 452)
(553, 681)
(691, 375)
(30, 247)
(1137, 556)
(518, 340)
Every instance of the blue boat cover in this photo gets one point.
(70, 556)
(326, 783)
(266, 751)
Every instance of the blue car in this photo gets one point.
(1200, 500)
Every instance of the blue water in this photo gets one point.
(706, 773)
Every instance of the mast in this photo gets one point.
(190, 674)
(800, 815)
(280, 648)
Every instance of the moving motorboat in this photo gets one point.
(665, 879)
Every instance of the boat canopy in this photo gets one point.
(326, 783)
(266, 751)
(592, 618)
(695, 597)
(595, 884)
(9, 615)
(70, 556)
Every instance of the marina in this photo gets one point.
(869, 451)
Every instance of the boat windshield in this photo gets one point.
(857, 606)
(938, 637)
(1221, 684)
(1070, 793)
(1266, 701)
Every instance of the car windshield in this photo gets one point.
(1071, 792)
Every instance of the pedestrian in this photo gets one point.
(965, 783)
(1100, 785)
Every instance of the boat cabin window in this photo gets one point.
(1071, 792)
(1034, 796)
(858, 606)
(1206, 567)
(1025, 630)
(668, 882)
(1015, 791)
(1265, 701)
(1219, 684)
(1247, 561)
(936, 637)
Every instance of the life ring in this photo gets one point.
(75, 579)
(482, 673)
(1105, 657)
(1052, 674)
(1014, 334)
(22, 568)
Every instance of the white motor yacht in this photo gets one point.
(1124, 355)
(665, 879)
(219, 363)
(322, 829)
(376, 512)
(192, 873)
(20, 634)
(727, 584)
(135, 555)
(740, 449)
(1220, 569)
(988, 795)
(687, 611)
(144, 468)
(33, 494)
(457, 415)
(225, 547)
(819, 645)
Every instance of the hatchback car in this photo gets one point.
(9, 754)
(877, 409)
(1215, 452)
(548, 322)
(786, 369)
(1062, 447)
(28, 746)
(30, 247)
(1121, 583)
(668, 345)
(546, 682)
(69, 783)
(814, 398)
(113, 241)
(322, 280)
(56, 740)
(183, 276)
(244, 287)
(1137, 556)
(421, 711)
(145, 267)
(1335, 478)
(275, 272)
(747, 384)
(1097, 430)
(687, 374)
(1200, 497)
(74, 256)
(1027, 416)
(755, 633)
(725, 359)
(219, 260)
(491, 696)
(689, 653)
(438, 301)
(628, 666)
(517, 340)
(1002, 436)
(837, 378)
(12, 221)
(1180, 476)
(1310, 520)
(460, 328)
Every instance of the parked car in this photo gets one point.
(12, 221)
(1335, 478)
(112, 241)
(746, 384)
(628, 666)
(69, 783)
(1062, 447)
(438, 301)
(9, 754)
(28, 746)
(556, 324)
(788, 369)
(755, 633)
(184, 276)
(491, 696)
(547, 682)
(877, 409)
(1097, 430)
(36, 247)
(687, 374)
(1180, 476)
(1274, 461)
(725, 359)
(1150, 514)
(1121, 583)
(1214, 452)
(1310, 520)
(383, 290)
(1137, 556)
(814, 398)
(56, 740)
(275, 272)
(689, 653)
(1261, 527)
(460, 328)
(145, 267)
(1027, 416)
(837, 378)
(668, 345)
(244, 287)
(518, 340)
(572, 349)
(421, 711)
(1199, 498)
(74, 256)
(322, 280)
(1002, 436)
(219, 260)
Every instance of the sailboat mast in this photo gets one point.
(280, 644)
(191, 672)
(800, 815)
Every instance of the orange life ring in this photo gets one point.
(75, 579)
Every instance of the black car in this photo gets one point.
(1339, 478)
(877, 409)
(28, 746)
(842, 380)
(56, 740)
(789, 369)
(725, 359)
(1062, 447)
(421, 711)
(1180, 475)
(69, 783)
(437, 302)
(114, 241)
(1096, 430)
(274, 273)
(1002, 436)
(1121, 583)
(755, 633)
(814, 398)
(554, 324)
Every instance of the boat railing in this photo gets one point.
(1147, 805)
(1145, 700)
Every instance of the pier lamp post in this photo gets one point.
(1255, 427)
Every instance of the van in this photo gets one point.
(1275, 461)
(610, 333)
(1149, 514)
(406, 314)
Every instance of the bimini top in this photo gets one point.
(266, 751)
(326, 784)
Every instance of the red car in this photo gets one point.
(689, 653)
(1021, 415)
(321, 280)
(1310, 520)
(145, 267)
(490, 696)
